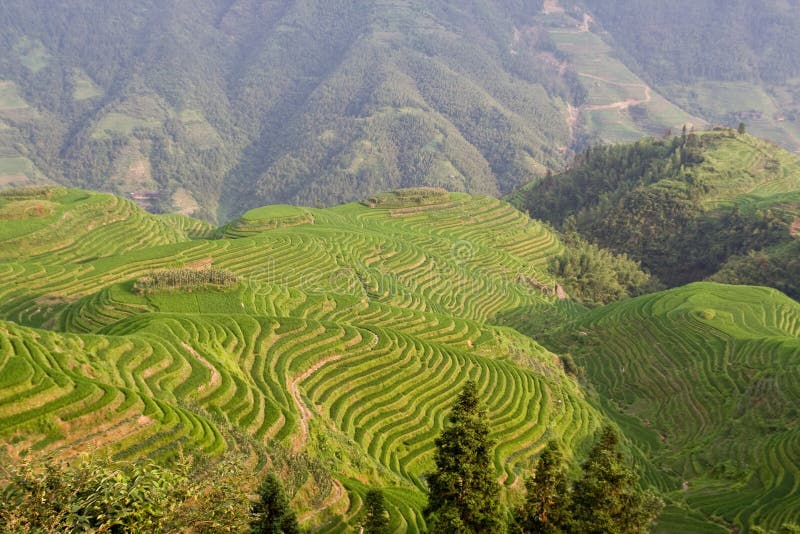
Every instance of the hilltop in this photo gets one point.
(717, 204)
(327, 342)
(704, 380)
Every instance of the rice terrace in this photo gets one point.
(408, 266)
(345, 333)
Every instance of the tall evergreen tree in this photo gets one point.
(272, 512)
(376, 521)
(546, 507)
(463, 492)
(606, 499)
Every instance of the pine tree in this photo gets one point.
(463, 490)
(376, 521)
(272, 512)
(607, 499)
(547, 502)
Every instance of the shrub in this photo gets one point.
(184, 279)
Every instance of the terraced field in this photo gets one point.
(346, 334)
(345, 340)
(706, 380)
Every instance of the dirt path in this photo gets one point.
(794, 229)
(587, 19)
(336, 494)
(623, 104)
(299, 440)
(216, 378)
(573, 114)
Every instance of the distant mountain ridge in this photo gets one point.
(213, 107)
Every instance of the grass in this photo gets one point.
(607, 81)
(394, 300)
(704, 378)
(32, 53)
(85, 88)
(724, 101)
(122, 124)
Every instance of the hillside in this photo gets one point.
(688, 207)
(704, 380)
(215, 107)
(331, 349)
(232, 105)
(727, 63)
(329, 343)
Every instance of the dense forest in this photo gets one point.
(247, 103)
(217, 106)
(683, 206)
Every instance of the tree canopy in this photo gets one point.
(463, 491)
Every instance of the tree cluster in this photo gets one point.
(645, 201)
(464, 494)
(605, 499)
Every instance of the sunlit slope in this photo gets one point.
(346, 337)
(472, 256)
(706, 380)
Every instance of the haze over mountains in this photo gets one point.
(216, 106)
(589, 208)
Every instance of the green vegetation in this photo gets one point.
(686, 41)
(376, 521)
(95, 496)
(323, 103)
(606, 498)
(547, 498)
(331, 102)
(595, 276)
(727, 67)
(462, 495)
(184, 280)
(272, 512)
(334, 358)
(703, 380)
(682, 206)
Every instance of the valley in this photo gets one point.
(342, 335)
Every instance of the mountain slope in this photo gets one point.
(334, 344)
(704, 379)
(215, 107)
(245, 103)
(683, 206)
(726, 62)
(331, 342)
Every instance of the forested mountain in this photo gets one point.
(216, 106)
(296, 101)
(687, 41)
(719, 204)
(725, 60)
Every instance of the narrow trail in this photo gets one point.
(300, 439)
(551, 6)
(216, 378)
(794, 229)
(336, 494)
(622, 104)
